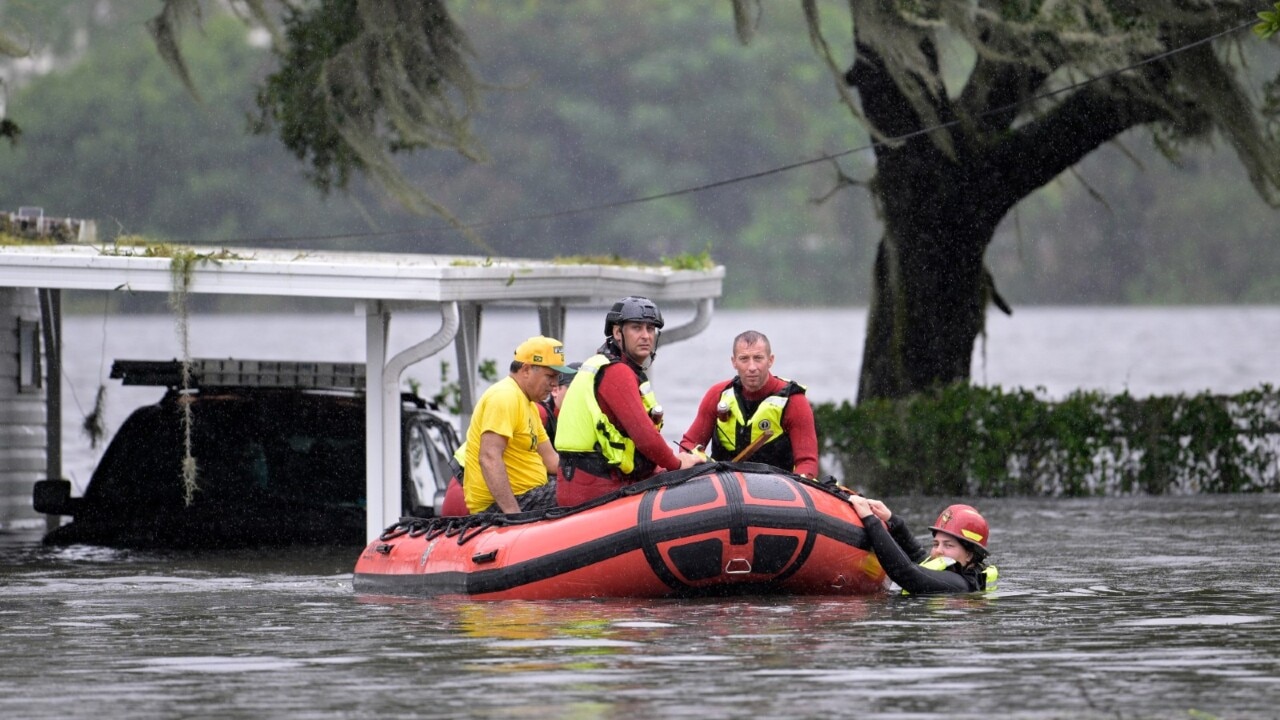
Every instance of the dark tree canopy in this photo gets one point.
(358, 81)
(974, 104)
(977, 105)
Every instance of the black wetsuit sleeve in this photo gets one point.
(902, 535)
(907, 574)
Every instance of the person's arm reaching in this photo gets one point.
(619, 399)
(704, 422)
(901, 569)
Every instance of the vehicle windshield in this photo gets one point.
(287, 447)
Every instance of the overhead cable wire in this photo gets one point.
(599, 207)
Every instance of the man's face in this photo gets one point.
(752, 363)
(636, 339)
(558, 391)
(538, 381)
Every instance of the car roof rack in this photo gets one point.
(228, 372)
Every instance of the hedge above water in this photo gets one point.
(966, 440)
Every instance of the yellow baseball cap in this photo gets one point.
(544, 351)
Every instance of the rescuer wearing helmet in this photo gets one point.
(608, 433)
(956, 563)
(756, 406)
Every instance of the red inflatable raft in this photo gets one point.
(713, 530)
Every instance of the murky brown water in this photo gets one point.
(1107, 608)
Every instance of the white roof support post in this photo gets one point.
(377, 323)
(392, 435)
(461, 284)
(51, 316)
(468, 348)
(551, 319)
(382, 410)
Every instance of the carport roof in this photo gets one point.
(355, 275)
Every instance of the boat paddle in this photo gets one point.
(755, 445)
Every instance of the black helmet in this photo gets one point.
(567, 377)
(632, 309)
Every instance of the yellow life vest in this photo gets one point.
(583, 427)
(987, 578)
(736, 431)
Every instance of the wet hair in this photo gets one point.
(751, 337)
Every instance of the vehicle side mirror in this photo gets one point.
(53, 497)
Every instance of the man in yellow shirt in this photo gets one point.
(508, 454)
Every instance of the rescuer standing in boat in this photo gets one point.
(608, 434)
(955, 564)
(754, 404)
(508, 453)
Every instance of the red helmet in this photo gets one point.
(964, 524)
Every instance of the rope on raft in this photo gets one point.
(467, 527)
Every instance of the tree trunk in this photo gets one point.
(929, 289)
(941, 202)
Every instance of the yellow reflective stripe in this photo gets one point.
(768, 415)
(583, 426)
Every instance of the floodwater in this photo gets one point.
(1107, 608)
(1130, 607)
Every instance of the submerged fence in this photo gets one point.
(965, 440)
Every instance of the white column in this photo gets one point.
(377, 321)
(394, 370)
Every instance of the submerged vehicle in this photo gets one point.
(717, 529)
(279, 450)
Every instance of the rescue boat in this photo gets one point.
(718, 529)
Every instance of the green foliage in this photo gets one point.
(628, 100)
(965, 440)
(449, 397)
(616, 260)
(1151, 241)
(292, 97)
(1270, 24)
(359, 81)
(115, 136)
(631, 100)
(690, 260)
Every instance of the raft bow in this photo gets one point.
(717, 529)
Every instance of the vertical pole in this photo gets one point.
(467, 344)
(51, 312)
(377, 321)
(551, 319)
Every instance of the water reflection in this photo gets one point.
(1108, 608)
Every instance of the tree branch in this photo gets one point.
(996, 84)
(1039, 151)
